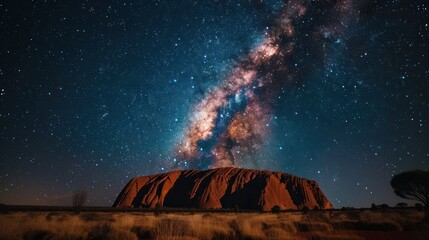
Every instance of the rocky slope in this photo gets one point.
(223, 188)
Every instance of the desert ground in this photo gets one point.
(393, 223)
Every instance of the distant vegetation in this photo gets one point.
(401, 204)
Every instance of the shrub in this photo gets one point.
(305, 209)
(384, 206)
(275, 209)
(419, 206)
(402, 205)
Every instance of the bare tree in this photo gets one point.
(79, 198)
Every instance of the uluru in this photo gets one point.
(223, 188)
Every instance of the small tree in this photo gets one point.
(79, 199)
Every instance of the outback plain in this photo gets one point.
(99, 223)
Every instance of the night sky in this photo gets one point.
(95, 93)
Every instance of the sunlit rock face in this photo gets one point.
(223, 188)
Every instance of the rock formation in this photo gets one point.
(223, 188)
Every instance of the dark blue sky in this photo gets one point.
(94, 93)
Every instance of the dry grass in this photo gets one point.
(332, 225)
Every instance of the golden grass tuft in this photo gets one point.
(172, 228)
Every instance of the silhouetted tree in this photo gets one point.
(413, 185)
(79, 199)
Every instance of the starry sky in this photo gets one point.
(93, 93)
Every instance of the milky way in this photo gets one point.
(229, 125)
(96, 92)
